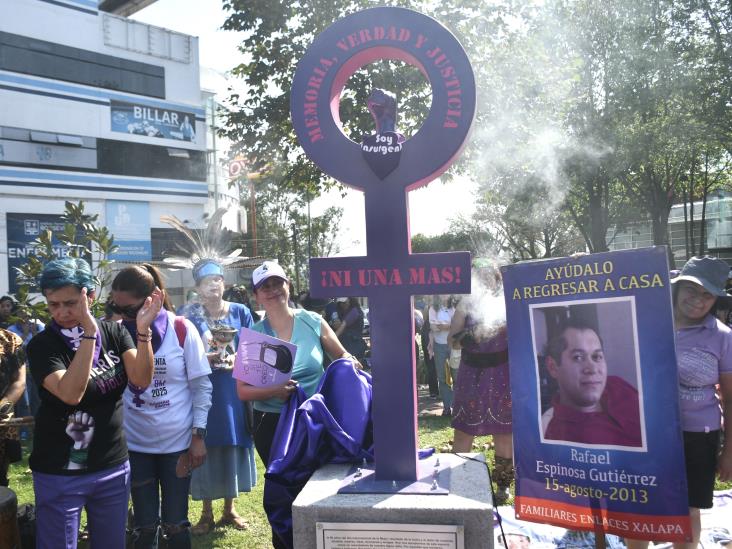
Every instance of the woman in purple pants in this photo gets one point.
(82, 367)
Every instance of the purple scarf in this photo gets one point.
(72, 338)
(159, 327)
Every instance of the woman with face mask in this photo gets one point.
(165, 423)
(82, 367)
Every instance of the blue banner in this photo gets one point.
(152, 121)
(129, 223)
(23, 229)
(597, 436)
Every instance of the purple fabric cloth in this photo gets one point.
(703, 352)
(332, 426)
(72, 338)
(482, 396)
(158, 327)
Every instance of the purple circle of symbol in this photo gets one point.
(357, 40)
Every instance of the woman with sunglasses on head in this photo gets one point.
(165, 423)
(82, 367)
(230, 467)
(308, 331)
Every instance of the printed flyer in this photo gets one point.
(597, 436)
(263, 360)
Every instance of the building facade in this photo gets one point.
(104, 109)
(717, 230)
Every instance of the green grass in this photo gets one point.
(433, 431)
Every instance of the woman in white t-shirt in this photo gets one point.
(440, 314)
(165, 423)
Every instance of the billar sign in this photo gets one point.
(386, 167)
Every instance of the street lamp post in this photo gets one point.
(253, 209)
(297, 257)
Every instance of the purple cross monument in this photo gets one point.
(386, 168)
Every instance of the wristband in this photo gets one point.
(94, 337)
(144, 339)
(78, 456)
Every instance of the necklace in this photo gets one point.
(214, 318)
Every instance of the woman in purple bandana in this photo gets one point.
(165, 423)
(82, 367)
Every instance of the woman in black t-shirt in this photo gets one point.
(82, 367)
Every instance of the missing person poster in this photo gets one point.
(597, 436)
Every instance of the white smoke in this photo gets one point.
(485, 304)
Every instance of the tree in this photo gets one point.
(631, 121)
(278, 33)
(666, 110)
(283, 229)
(81, 237)
(462, 235)
(597, 109)
(526, 222)
(709, 172)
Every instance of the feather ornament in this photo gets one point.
(209, 243)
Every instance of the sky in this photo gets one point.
(431, 208)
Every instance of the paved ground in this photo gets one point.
(427, 405)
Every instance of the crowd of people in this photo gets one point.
(142, 405)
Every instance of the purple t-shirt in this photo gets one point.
(703, 353)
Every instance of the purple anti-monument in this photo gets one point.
(386, 167)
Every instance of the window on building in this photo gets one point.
(125, 158)
(50, 60)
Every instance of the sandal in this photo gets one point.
(204, 525)
(233, 520)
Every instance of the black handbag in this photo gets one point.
(249, 416)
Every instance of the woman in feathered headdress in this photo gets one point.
(230, 465)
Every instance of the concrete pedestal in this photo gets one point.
(468, 504)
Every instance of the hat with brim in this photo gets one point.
(709, 272)
(266, 270)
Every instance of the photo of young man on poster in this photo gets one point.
(588, 373)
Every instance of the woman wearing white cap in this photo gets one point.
(704, 356)
(307, 330)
